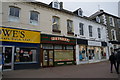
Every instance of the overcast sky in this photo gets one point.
(89, 6)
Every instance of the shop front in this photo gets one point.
(81, 51)
(97, 51)
(90, 51)
(20, 48)
(57, 50)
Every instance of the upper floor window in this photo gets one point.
(80, 12)
(111, 21)
(34, 17)
(90, 30)
(56, 24)
(99, 32)
(118, 22)
(56, 5)
(69, 26)
(81, 28)
(98, 19)
(113, 34)
(14, 14)
(104, 19)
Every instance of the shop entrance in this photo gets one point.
(48, 58)
(8, 54)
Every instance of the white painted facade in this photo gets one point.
(92, 41)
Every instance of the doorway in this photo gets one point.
(48, 59)
(8, 54)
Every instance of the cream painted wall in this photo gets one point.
(45, 18)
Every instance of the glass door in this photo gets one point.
(47, 58)
(8, 57)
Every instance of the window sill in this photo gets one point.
(71, 33)
(56, 31)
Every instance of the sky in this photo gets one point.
(89, 6)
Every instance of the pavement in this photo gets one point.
(92, 70)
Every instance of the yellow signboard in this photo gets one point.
(17, 35)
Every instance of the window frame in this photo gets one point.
(12, 17)
(114, 34)
(111, 21)
(81, 29)
(32, 21)
(57, 23)
(90, 31)
(70, 22)
(99, 32)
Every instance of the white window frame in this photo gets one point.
(56, 23)
(34, 22)
(98, 19)
(99, 32)
(14, 18)
(56, 3)
(104, 19)
(91, 31)
(114, 34)
(118, 22)
(70, 22)
(111, 22)
(81, 29)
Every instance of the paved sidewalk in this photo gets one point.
(94, 70)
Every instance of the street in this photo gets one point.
(94, 70)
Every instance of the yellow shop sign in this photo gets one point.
(17, 35)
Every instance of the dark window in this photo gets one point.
(99, 33)
(14, 11)
(34, 15)
(81, 28)
(90, 30)
(69, 25)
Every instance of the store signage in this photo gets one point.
(17, 35)
(60, 39)
(94, 43)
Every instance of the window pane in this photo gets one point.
(34, 16)
(90, 31)
(14, 11)
(81, 28)
(25, 54)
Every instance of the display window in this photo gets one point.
(103, 53)
(63, 55)
(23, 54)
(82, 53)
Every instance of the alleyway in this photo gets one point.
(95, 70)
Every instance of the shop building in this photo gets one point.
(57, 50)
(20, 48)
(90, 51)
(112, 24)
(90, 38)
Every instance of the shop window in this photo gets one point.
(14, 14)
(34, 17)
(63, 55)
(25, 55)
(47, 46)
(82, 53)
(91, 54)
(103, 53)
(69, 47)
(57, 47)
